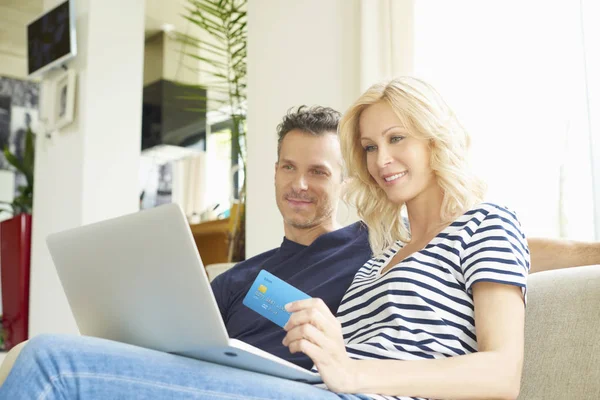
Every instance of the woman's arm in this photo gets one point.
(492, 373)
(547, 254)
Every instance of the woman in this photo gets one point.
(461, 265)
(406, 326)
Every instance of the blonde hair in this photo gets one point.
(426, 116)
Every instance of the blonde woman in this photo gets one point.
(439, 310)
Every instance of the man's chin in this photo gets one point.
(301, 223)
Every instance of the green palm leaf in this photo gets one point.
(221, 57)
(23, 203)
(207, 8)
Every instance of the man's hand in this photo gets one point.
(313, 330)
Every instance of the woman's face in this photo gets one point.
(397, 161)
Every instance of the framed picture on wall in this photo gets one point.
(62, 108)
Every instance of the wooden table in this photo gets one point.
(212, 240)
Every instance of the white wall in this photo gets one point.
(13, 36)
(89, 170)
(12, 65)
(302, 52)
(164, 59)
(153, 58)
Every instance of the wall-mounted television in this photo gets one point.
(51, 39)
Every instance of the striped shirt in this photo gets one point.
(422, 308)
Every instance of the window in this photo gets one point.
(513, 71)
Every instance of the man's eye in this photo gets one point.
(288, 167)
(319, 172)
(370, 148)
(396, 139)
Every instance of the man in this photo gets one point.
(317, 255)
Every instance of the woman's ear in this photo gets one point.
(345, 183)
(344, 188)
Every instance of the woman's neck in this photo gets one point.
(424, 214)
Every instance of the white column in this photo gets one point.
(88, 171)
(300, 52)
(386, 40)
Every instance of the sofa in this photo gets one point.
(562, 335)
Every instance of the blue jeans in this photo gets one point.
(78, 367)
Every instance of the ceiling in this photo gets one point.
(16, 14)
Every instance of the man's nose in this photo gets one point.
(300, 183)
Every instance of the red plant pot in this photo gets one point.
(15, 260)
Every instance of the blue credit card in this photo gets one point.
(268, 296)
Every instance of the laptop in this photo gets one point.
(139, 279)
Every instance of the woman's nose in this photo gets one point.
(383, 157)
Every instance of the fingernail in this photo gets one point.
(288, 306)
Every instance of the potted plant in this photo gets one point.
(15, 250)
(221, 56)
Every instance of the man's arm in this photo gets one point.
(548, 254)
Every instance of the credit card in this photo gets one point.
(268, 296)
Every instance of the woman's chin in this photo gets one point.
(399, 196)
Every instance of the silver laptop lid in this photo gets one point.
(139, 279)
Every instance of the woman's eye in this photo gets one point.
(396, 139)
(370, 148)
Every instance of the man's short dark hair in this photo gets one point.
(316, 120)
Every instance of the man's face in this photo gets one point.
(308, 179)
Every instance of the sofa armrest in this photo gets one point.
(562, 335)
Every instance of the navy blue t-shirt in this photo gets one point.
(324, 269)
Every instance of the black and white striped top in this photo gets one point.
(422, 308)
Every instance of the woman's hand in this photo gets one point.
(313, 330)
